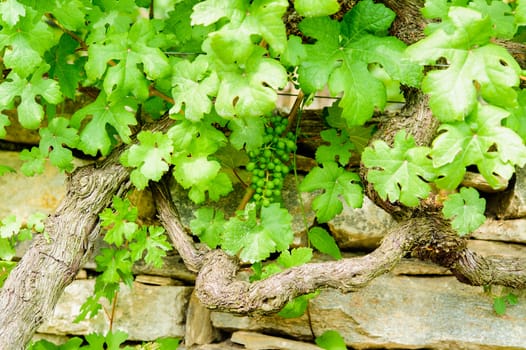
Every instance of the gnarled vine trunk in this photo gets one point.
(34, 286)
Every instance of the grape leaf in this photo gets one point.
(119, 222)
(476, 67)
(11, 10)
(192, 84)
(339, 149)
(343, 52)
(260, 17)
(34, 161)
(254, 240)
(324, 242)
(208, 225)
(53, 138)
(399, 173)
(517, 118)
(296, 257)
(297, 306)
(479, 140)
(336, 183)
(25, 44)
(66, 66)
(501, 16)
(466, 209)
(7, 250)
(30, 112)
(153, 241)
(131, 50)
(150, 157)
(331, 340)
(249, 91)
(520, 13)
(211, 11)
(313, 8)
(114, 265)
(94, 136)
(247, 132)
(10, 226)
(440, 8)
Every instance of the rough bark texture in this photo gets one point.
(34, 286)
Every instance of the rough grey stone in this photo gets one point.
(258, 341)
(401, 312)
(28, 195)
(292, 327)
(502, 230)
(199, 328)
(144, 312)
(361, 227)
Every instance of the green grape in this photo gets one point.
(271, 162)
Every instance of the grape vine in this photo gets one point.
(90, 75)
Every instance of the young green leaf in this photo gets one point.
(150, 157)
(11, 10)
(296, 257)
(499, 305)
(476, 67)
(324, 242)
(338, 150)
(66, 66)
(255, 239)
(7, 249)
(192, 85)
(114, 265)
(53, 138)
(153, 241)
(30, 112)
(94, 136)
(34, 161)
(297, 306)
(248, 89)
(247, 132)
(399, 173)
(119, 222)
(313, 8)
(337, 183)
(132, 49)
(479, 140)
(208, 225)
(27, 41)
(331, 340)
(466, 209)
(343, 52)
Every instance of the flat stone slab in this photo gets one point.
(144, 312)
(502, 230)
(402, 312)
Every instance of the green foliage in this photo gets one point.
(216, 67)
(324, 242)
(331, 340)
(337, 183)
(255, 239)
(476, 67)
(128, 243)
(113, 340)
(501, 303)
(344, 50)
(466, 209)
(398, 172)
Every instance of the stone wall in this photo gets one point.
(416, 306)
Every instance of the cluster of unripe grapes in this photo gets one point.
(270, 163)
